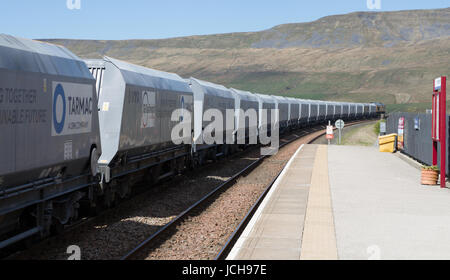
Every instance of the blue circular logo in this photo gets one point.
(59, 91)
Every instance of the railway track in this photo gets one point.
(139, 252)
(96, 228)
(240, 228)
(199, 203)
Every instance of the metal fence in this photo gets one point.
(417, 139)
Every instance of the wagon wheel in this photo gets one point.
(94, 161)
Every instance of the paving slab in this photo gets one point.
(319, 238)
(381, 211)
(349, 202)
(275, 231)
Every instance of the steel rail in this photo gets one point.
(135, 251)
(240, 228)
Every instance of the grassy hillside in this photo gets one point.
(368, 29)
(390, 57)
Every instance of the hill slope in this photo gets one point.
(390, 57)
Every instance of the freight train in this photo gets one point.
(75, 135)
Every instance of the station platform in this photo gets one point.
(348, 202)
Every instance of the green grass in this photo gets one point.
(320, 86)
(412, 107)
(376, 127)
(408, 107)
(351, 137)
(380, 86)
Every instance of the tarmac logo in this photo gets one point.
(71, 108)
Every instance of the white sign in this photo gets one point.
(71, 108)
(68, 151)
(329, 129)
(330, 133)
(437, 84)
(339, 124)
(382, 127)
(416, 123)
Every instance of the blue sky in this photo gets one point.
(148, 19)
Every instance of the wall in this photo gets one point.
(417, 142)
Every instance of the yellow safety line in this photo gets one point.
(319, 237)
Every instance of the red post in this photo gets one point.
(439, 131)
(435, 145)
(442, 129)
(433, 126)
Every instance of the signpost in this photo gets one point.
(330, 133)
(438, 130)
(339, 125)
